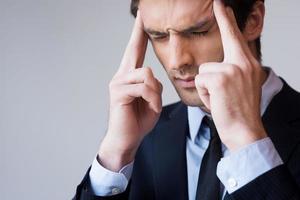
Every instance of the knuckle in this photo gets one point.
(111, 84)
(250, 69)
(255, 63)
(221, 80)
(144, 89)
(234, 71)
(159, 87)
(202, 67)
(256, 66)
(231, 70)
(147, 72)
(248, 63)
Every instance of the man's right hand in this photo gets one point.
(135, 104)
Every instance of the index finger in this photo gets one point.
(233, 42)
(136, 48)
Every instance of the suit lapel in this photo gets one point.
(170, 156)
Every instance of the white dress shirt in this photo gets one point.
(234, 170)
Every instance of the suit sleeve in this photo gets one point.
(280, 183)
(85, 192)
(241, 167)
(276, 184)
(140, 186)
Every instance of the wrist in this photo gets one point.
(113, 158)
(244, 137)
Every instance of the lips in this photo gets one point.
(187, 82)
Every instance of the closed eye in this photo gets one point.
(163, 36)
(202, 33)
(158, 37)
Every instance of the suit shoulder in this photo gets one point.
(166, 113)
(291, 96)
(285, 106)
(169, 109)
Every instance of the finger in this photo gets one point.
(141, 75)
(214, 83)
(133, 91)
(202, 89)
(233, 42)
(160, 85)
(135, 51)
(210, 67)
(221, 68)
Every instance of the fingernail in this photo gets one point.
(219, 1)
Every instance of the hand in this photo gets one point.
(231, 90)
(135, 104)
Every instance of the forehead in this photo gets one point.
(173, 14)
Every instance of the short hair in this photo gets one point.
(241, 9)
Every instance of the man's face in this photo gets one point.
(184, 34)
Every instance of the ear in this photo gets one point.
(255, 22)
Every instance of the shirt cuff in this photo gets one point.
(105, 182)
(241, 167)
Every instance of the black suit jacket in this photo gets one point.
(160, 165)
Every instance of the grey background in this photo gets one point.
(56, 59)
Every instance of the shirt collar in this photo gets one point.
(195, 116)
(270, 88)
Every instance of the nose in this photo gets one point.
(180, 55)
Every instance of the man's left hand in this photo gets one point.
(231, 90)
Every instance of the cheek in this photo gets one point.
(161, 52)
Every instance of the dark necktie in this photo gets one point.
(208, 183)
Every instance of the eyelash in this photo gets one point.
(158, 38)
(199, 34)
(192, 34)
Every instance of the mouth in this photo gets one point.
(185, 82)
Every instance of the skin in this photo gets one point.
(182, 53)
(224, 75)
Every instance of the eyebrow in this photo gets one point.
(199, 25)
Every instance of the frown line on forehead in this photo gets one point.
(201, 24)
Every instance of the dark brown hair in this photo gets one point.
(241, 9)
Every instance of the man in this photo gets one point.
(236, 133)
